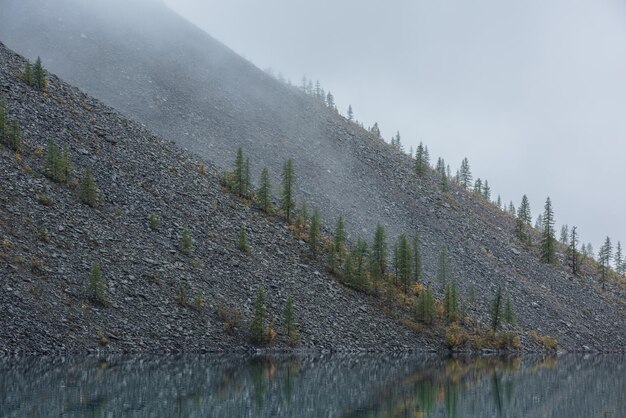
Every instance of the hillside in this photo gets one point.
(50, 241)
(190, 89)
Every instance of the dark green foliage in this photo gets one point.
(548, 241)
(27, 75)
(378, 258)
(425, 308)
(444, 268)
(478, 186)
(417, 259)
(290, 320)
(97, 285)
(241, 174)
(496, 310)
(87, 191)
(359, 258)
(287, 196)
(333, 262)
(348, 270)
(465, 174)
(58, 166)
(4, 121)
(508, 316)
(451, 302)
(314, 232)
(620, 264)
(487, 191)
(340, 235)
(185, 242)
(404, 261)
(573, 252)
(303, 216)
(265, 191)
(443, 176)
(522, 221)
(604, 260)
(421, 161)
(257, 329)
(39, 76)
(153, 221)
(246, 176)
(243, 241)
(375, 130)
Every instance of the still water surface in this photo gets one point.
(314, 386)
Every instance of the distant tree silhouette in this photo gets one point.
(330, 101)
(478, 186)
(417, 258)
(499, 202)
(287, 195)
(421, 161)
(465, 174)
(604, 259)
(265, 190)
(548, 241)
(487, 191)
(512, 208)
(350, 113)
(573, 252)
(496, 310)
(375, 130)
(443, 177)
(522, 221)
(379, 254)
(314, 232)
(620, 264)
(564, 238)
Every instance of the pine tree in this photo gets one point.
(314, 232)
(539, 223)
(87, 190)
(443, 267)
(257, 329)
(240, 173)
(465, 174)
(58, 165)
(487, 191)
(379, 254)
(340, 236)
(478, 187)
(39, 75)
(417, 259)
(604, 260)
(359, 260)
(573, 252)
(620, 265)
(421, 164)
(496, 310)
(185, 242)
(522, 221)
(97, 285)
(564, 234)
(330, 101)
(333, 262)
(350, 113)
(499, 202)
(404, 262)
(348, 270)
(508, 316)
(548, 241)
(243, 241)
(15, 137)
(443, 177)
(303, 216)
(425, 308)
(265, 191)
(27, 75)
(451, 302)
(287, 197)
(375, 130)
(512, 208)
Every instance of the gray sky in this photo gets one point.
(532, 92)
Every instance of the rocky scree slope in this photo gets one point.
(50, 240)
(191, 89)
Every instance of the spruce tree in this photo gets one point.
(573, 252)
(522, 221)
(451, 302)
(58, 166)
(496, 310)
(185, 242)
(350, 113)
(564, 234)
(359, 261)
(246, 176)
(443, 177)
(27, 75)
(417, 258)
(97, 285)
(465, 174)
(512, 208)
(443, 267)
(375, 130)
(379, 254)
(348, 270)
(290, 320)
(421, 164)
(508, 316)
(548, 241)
(39, 75)
(478, 187)
(265, 191)
(287, 195)
(257, 329)
(340, 236)
(619, 260)
(487, 191)
(499, 202)
(404, 262)
(314, 232)
(243, 240)
(425, 308)
(604, 260)
(240, 173)
(87, 190)
(539, 223)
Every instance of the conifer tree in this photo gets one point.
(246, 176)
(512, 208)
(451, 302)
(359, 260)
(421, 164)
(287, 196)
(240, 173)
(290, 320)
(499, 202)
(375, 130)
(443, 177)
(508, 316)
(340, 236)
(564, 234)
(548, 241)
(425, 308)
(487, 191)
(27, 75)
(443, 267)
(314, 232)
(573, 252)
(97, 285)
(350, 113)
(333, 262)
(604, 260)
(539, 223)
(417, 258)
(465, 174)
(87, 190)
(303, 217)
(58, 165)
(257, 329)
(330, 101)
(522, 221)
(620, 266)
(404, 262)
(39, 75)
(496, 310)
(243, 240)
(348, 270)
(15, 137)
(265, 191)
(379, 254)
(185, 242)
(478, 186)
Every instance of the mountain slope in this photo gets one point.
(50, 240)
(192, 90)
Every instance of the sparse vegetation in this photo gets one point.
(257, 329)
(153, 221)
(231, 317)
(87, 191)
(290, 323)
(59, 166)
(243, 241)
(287, 194)
(97, 285)
(186, 245)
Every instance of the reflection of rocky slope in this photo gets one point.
(332, 386)
(155, 67)
(49, 241)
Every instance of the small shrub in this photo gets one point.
(229, 316)
(185, 242)
(97, 285)
(425, 308)
(153, 221)
(87, 189)
(181, 295)
(548, 343)
(257, 329)
(455, 336)
(36, 265)
(198, 301)
(509, 341)
(243, 241)
(58, 165)
(43, 236)
(44, 199)
(202, 169)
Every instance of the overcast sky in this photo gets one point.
(532, 92)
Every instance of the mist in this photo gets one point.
(533, 94)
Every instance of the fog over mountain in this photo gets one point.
(532, 93)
